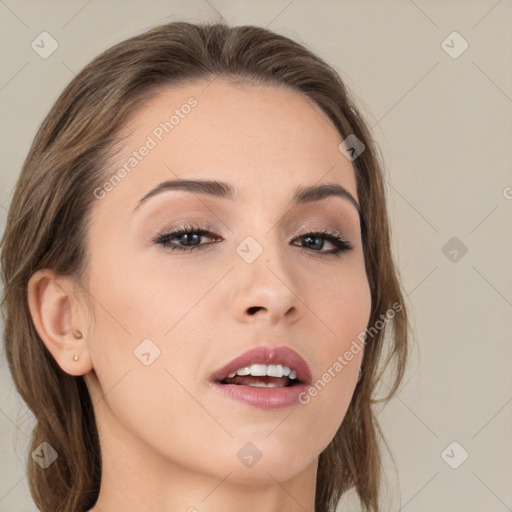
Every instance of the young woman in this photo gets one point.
(198, 282)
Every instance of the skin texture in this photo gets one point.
(169, 442)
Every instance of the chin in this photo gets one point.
(268, 464)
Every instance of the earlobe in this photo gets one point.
(50, 300)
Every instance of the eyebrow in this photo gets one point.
(302, 195)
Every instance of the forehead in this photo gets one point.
(260, 138)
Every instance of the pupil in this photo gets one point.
(318, 245)
(188, 236)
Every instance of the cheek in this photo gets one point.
(149, 299)
(342, 303)
(344, 309)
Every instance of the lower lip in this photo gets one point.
(263, 398)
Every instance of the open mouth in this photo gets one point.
(261, 382)
(265, 367)
(263, 376)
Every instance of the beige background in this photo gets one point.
(445, 129)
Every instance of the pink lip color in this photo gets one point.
(265, 398)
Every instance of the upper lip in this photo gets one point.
(267, 355)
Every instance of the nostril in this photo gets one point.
(254, 309)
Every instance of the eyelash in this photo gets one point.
(342, 245)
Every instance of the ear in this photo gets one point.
(54, 308)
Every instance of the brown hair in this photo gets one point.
(47, 228)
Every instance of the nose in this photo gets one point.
(265, 290)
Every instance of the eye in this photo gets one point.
(313, 237)
(189, 235)
(188, 238)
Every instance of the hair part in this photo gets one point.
(47, 227)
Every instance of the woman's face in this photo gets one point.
(168, 319)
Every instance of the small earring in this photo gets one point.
(77, 334)
(76, 357)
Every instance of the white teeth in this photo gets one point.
(258, 370)
(262, 370)
(275, 370)
(262, 385)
